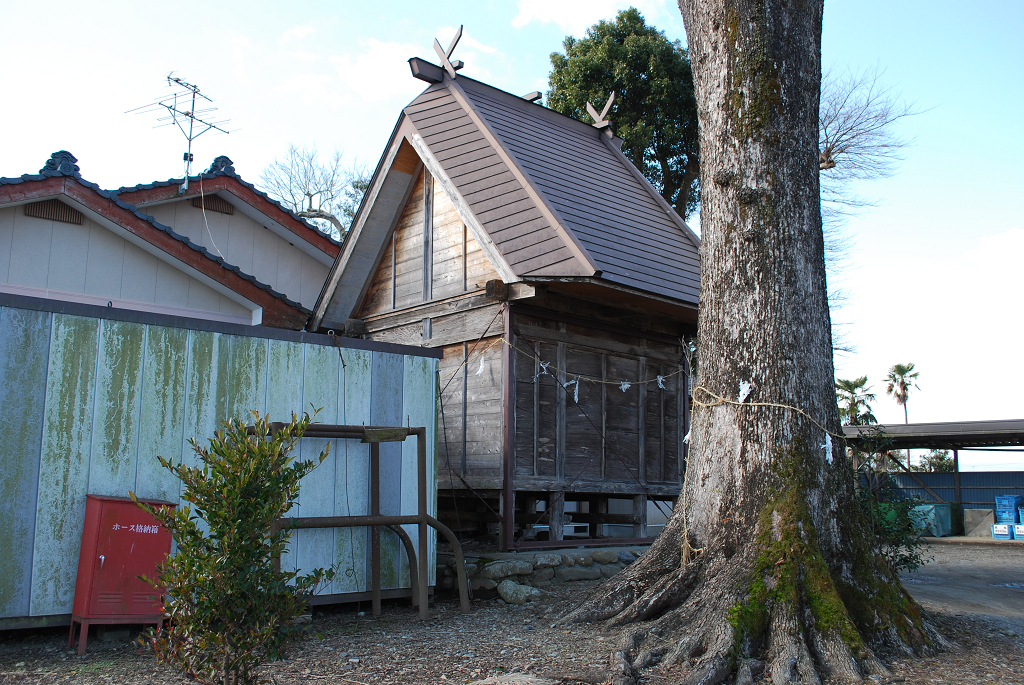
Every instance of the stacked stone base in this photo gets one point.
(519, 577)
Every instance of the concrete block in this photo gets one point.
(978, 522)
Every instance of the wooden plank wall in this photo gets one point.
(559, 427)
(458, 264)
(469, 444)
(89, 403)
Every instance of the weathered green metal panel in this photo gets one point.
(315, 548)
(24, 353)
(387, 384)
(162, 418)
(419, 389)
(64, 462)
(285, 365)
(115, 431)
(352, 482)
(248, 378)
(206, 387)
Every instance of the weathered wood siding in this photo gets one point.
(52, 259)
(559, 425)
(471, 434)
(253, 248)
(458, 264)
(89, 403)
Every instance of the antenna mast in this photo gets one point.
(181, 112)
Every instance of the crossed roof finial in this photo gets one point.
(449, 66)
(599, 119)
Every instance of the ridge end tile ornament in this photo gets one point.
(599, 119)
(446, 61)
(61, 163)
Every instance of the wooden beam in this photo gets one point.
(596, 344)
(428, 236)
(640, 513)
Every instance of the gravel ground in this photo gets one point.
(496, 643)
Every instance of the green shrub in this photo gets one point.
(896, 531)
(228, 607)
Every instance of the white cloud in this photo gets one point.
(575, 16)
(380, 73)
(297, 33)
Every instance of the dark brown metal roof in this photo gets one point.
(952, 435)
(546, 197)
(626, 228)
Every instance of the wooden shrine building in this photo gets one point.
(558, 284)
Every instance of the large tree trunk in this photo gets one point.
(766, 560)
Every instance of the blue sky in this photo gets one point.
(935, 272)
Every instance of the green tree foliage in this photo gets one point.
(655, 112)
(936, 461)
(854, 397)
(893, 524)
(228, 607)
(901, 379)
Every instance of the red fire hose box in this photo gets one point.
(120, 542)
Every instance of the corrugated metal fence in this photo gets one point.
(89, 401)
(978, 489)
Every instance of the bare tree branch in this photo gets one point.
(326, 194)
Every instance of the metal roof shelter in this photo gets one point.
(953, 435)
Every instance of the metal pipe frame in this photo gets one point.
(374, 435)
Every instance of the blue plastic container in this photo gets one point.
(1002, 531)
(1007, 516)
(1018, 531)
(1020, 513)
(1008, 502)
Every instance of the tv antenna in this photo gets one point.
(180, 108)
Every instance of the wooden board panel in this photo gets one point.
(451, 375)
(64, 463)
(352, 481)
(162, 416)
(386, 390)
(115, 438)
(583, 444)
(484, 417)
(622, 433)
(525, 444)
(547, 413)
(24, 353)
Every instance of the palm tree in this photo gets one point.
(853, 397)
(899, 381)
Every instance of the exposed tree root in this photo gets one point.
(772, 609)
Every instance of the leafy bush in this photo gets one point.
(891, 517)
(228, 606)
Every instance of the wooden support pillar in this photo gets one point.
(375, 580)
(640, 512)
(956, 477)
(598, 505)
(556, 516)
(428, 236)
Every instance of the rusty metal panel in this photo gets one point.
(24, 353)
(386, 390)
(108, 396)
(162, 415)
(64, 462)
(115, 434)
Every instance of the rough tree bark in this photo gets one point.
(766, 562)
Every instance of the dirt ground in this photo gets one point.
(976, 596)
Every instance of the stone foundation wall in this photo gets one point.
(518, 577)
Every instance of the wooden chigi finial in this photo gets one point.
(449, 66)
(599, 119)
